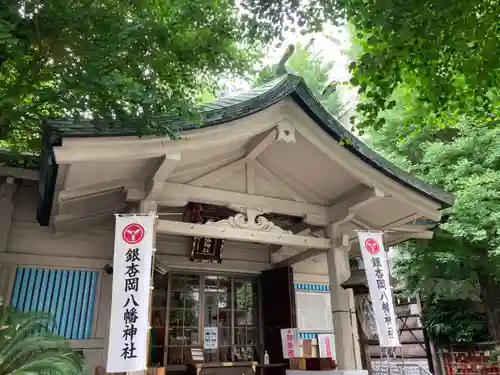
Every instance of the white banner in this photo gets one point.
(290, 342)
(129, 324)
(326, 345)
(377, 274)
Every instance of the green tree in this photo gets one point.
(463, 159)
(314, 69)
(450, 47)
(136, 59)
(27, 347)
(452, 322)
(126, 61)
(441, 274)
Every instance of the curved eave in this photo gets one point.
(240, 106)
(306, 100)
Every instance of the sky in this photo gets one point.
(331, 45)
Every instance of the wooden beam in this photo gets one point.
(250, 174)
(357, 167)
(413, 231)
(343, 211)
(95, 189)
(7, 204)
(346, 242)
(300, 227)
(8, 189)
(299, 257)
(154, 186)
(119, 148)
(187, 193)
(347, 205)
(211, 163)
(219, 174)
(258, 145)
(427, 235)
(301, 187)
(106, 201)
(275, 180)
(175, 262)
(20, 173)
(62, 176)
(166, 166)
(388, 227)
(413, 228)
(238, 234)
(67, 224)
(53, 261)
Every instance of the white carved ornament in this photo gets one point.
(286, 132)
(253, 220)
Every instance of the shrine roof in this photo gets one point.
(244, 104)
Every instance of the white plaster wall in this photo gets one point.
(311, 271)
(309, 278)
(29, 245)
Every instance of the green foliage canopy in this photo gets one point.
(313, 68)
(452, 322)
(137, 59)
(462, 261)
(111, 59)
(447, 49)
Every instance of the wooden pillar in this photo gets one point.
(365, 349)
(7, 191)
(7, 202)
(338, 272)
(355, 331)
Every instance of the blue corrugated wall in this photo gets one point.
(311, 287)
(68, 296)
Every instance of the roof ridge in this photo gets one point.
(243, 104)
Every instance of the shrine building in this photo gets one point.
(257, 209)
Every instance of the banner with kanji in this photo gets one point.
(129, 324)
(377, 275)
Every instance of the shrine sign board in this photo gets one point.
(377, 275)
(129, 324)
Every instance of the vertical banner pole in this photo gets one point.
(393, 350)
(151, 290)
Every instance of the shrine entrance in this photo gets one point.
(184, 304)
(271, 174)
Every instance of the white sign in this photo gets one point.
(210, 335)
(377, 275)
(326, 344)
(290, 342)
(128, 331)
(314, 312)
